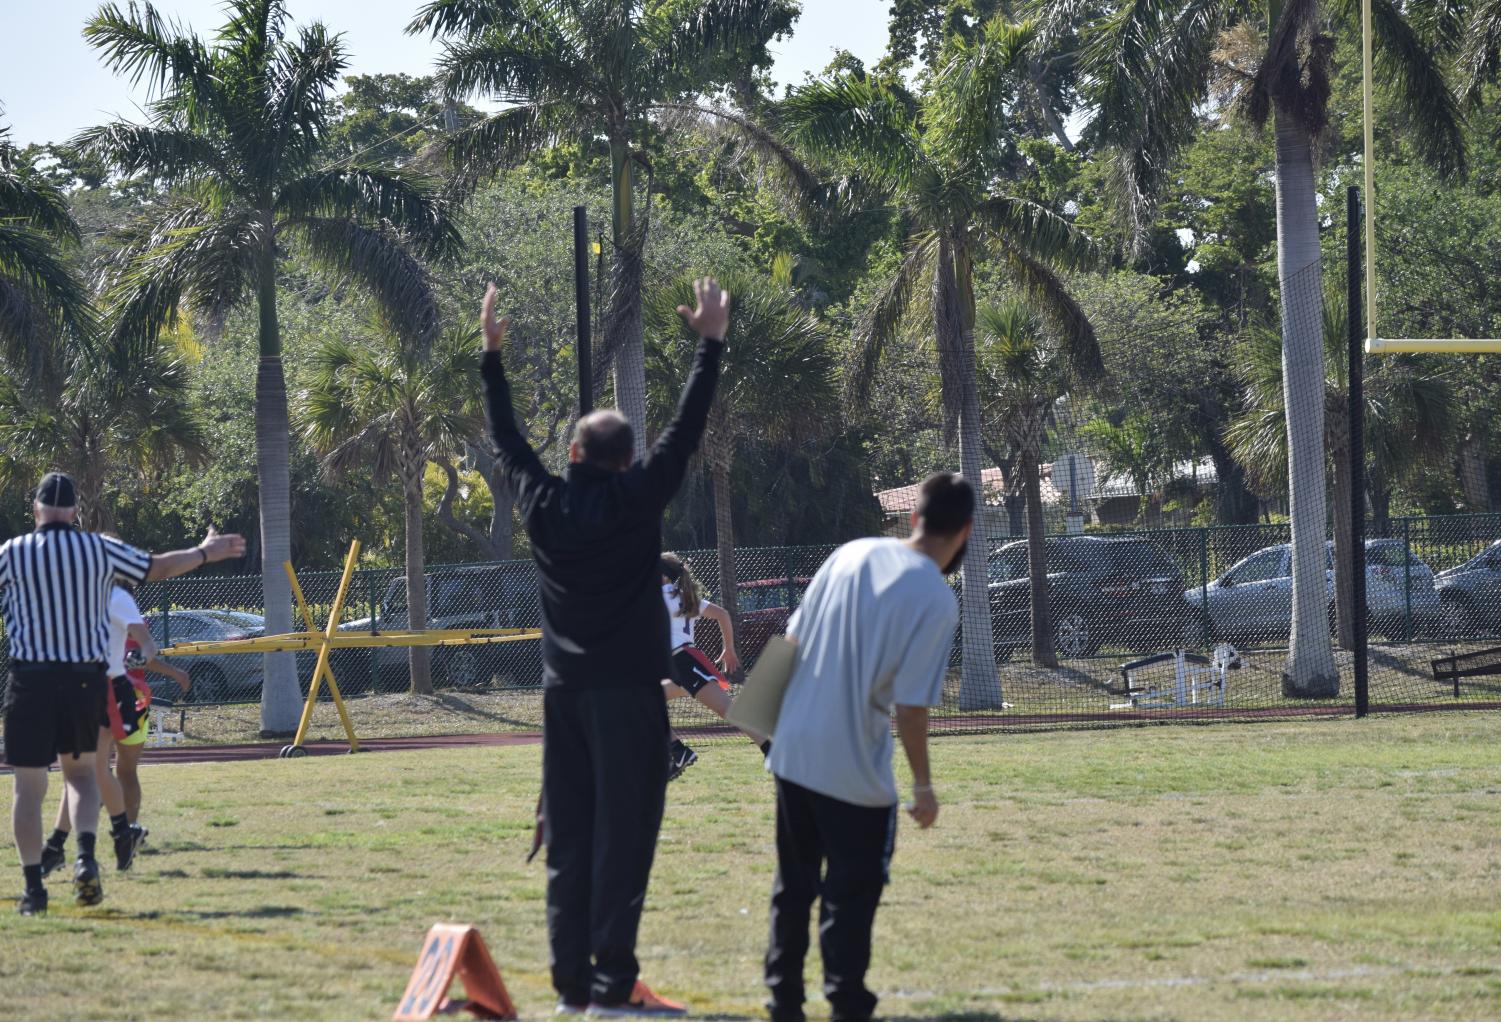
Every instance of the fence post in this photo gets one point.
(166, 613)
(1407, 576)
(1206, 622)
(374, 629)
(1355, 396)
(791, 581)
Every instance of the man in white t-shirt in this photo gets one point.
(873, 632)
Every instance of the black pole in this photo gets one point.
(1356, 397)
(581, 300)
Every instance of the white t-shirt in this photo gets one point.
(681, 628)
(123, 613)
(874, 631)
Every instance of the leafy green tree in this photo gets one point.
(592, 69)
(947, 162)
(1409, 420)
(238, 131)
(1152, 64)
(1023, 372)
(41, 299)
(387, 409)
(777, 381)
(118, 419)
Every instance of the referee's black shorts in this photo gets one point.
(52, 710)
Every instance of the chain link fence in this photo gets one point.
(1223, 594)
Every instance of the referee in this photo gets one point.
(55, 585)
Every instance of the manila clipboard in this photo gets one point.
(759, 702)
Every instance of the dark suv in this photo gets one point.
(1125, 592)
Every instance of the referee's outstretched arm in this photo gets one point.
(215, 547)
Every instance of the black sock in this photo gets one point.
(119, 826)
(85, 845)
(33, 877)
(766, 747)
(58, 840)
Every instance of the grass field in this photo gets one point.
(1320, 870)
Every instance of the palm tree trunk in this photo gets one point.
(724, 527)
(623, 333)
(1310, 671)
(1043, 653)
(979, 682)
(280, 701)
(417, 656)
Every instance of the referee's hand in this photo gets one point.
(217, 547)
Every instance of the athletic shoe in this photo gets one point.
(126, 845)
(679, 759)
(32, 903)
(88, 889)
(564, 1008)
(142, 833)
(641, 1004)
(52, 858)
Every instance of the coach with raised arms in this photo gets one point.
(55, 586)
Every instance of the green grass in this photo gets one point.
(1322, 870)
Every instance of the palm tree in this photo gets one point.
(776, 386)
(596, 68)
(237, 131)
(944, 161)
(120, 418)
(1022, 376)
(1409, 420)
(389, 408)
(41, 300)
(1152, 64)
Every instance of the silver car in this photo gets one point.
(217, 677)
(1254, 599)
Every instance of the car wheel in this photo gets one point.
(1456, 618)
(461, 669)
(209, 685)
(1071, 635)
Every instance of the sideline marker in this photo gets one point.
(451, 950)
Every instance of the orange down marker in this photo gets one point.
(451, 950)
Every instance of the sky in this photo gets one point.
(52, 84)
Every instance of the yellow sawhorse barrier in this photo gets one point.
(331, 638)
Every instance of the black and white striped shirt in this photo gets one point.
(54, 592)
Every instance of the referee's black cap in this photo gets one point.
(57, 490)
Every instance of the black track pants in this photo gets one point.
(604, 782)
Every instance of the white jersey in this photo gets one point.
(123, 613)
(680, 628)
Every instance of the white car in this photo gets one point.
(1254, 599)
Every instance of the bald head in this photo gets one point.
(605, 440)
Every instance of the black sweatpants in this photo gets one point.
(841, 854)
(604, 783)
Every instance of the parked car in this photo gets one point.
(216, 676)
(1470, 595)
(1254, 599)
(1117, 591)
(765, 607)
(483, 596)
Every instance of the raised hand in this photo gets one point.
(495, 332)
(712, 317)
(217, 547)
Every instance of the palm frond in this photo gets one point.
(466, 17)
(501, 140)
(147, 48)
(28, 201)
(1060, 310)
(527, 62)
(855, 121)
(377, 259)
(1041, 233)
(187, 252)
(303, 75)
(1480, 56)
(41, 300)
(169, 155)
(373, 195)
(1416, 80)
(711, 28)
(967, 108)
(879, 323)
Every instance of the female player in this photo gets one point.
(693, 673)
(124, 727)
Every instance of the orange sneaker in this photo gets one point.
(641, 1004)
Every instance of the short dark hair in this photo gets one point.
(605, 440)
(945, 504)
